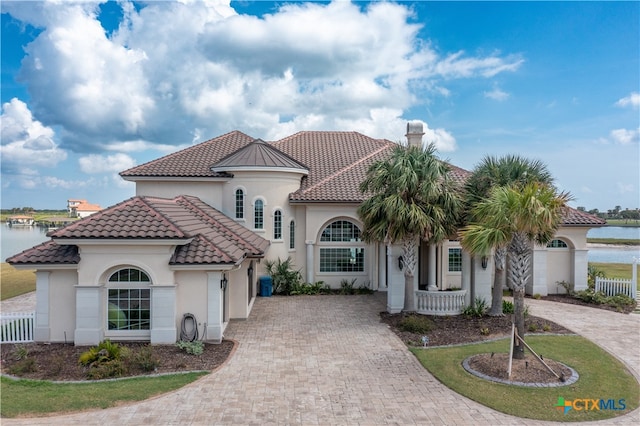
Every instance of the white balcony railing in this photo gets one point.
(440, 302)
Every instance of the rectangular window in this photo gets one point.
(239, 204)
(258, 215)
(129, 309)
(342, 259)
(277, 225)
(455, 260)
(292, 235)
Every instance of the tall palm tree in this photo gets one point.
(516, 216)
(411, 197)
(503, 171)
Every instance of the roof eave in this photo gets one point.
(123, 241)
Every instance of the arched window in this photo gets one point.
(129, 300)
(277, 225)
(557, 244)
(258, 215)
(292, 235)
(239, 204)
(341, 248)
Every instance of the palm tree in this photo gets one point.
(516, 216)
(491, 172)
(411, 197)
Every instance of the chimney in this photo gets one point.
(414, 133)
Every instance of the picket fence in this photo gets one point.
(17, 327)
(613, 286)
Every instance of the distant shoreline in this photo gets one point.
(629, 247)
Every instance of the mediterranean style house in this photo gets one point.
(195, 237)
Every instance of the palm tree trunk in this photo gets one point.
(519, 266)
(499, 280)
(409, 258)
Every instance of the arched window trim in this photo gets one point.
(292, 234)
(258, 216)
(341, 248)
(558, 243)
(239, 203)
(277, 224)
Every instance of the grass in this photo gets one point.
(616, 270)
(31, 398)
(14, 282)
(601, 377)
(615, 241)
(623, 222)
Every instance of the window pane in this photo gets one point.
(292, 235)
(342, 259)
(455, 260)
(557, 244)
(129, 309)
(259, 215)
(277, 225)
(128, 275)
(239, 204)
(341, 231)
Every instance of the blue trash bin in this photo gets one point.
(266, 286)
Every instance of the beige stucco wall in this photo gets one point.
(62, 305)
(191, 297)
(208, 191)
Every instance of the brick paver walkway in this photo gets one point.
(329, 360)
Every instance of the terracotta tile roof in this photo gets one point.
(573, 217)
(132, 218)
(258, 154)
(48, 253)
(215, 238)
(195, 161)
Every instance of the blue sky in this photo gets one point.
(90, 89)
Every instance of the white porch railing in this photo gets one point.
(613, 286)
(440, 302)
(17, 327)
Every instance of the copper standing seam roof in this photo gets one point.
(215, 239)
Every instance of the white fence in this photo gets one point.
(17, 327)
(613, 286)
(440, 302)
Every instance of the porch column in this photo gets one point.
(580, 269)
(89, 324)
(465, 278)
(395, 286)
(163, 314)
(382, 266)
(42, 330)
(431, 277)
(538, 277)
(215, 321)
(310, 262)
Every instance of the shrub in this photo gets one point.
(106, 369)
(364, 289)
(533, 327)
(546, 327)
(347, 287)
(484, 331)
(591, 296)
(146, 360)
(415, 324)
(23, 366)
(507, 307)
(192, 348)
(477, 309)
(592, 274)
(104, 352)
(537, 296)
(568, 287)
(285, 279)
(21, 352)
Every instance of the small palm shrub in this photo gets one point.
(104, 360)
(285, 278)
(477, 309)
(347, 287)
(146, 360)
(415, 324)
(507, 307)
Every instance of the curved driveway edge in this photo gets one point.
(328, 360)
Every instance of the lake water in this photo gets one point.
(16, 239)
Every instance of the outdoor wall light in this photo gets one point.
(400, 262)
(485, 262)
(223, 282)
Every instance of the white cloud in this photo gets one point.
(94, 163)
(444, 141)
(624, 188)
(26, 141)
(176, 70)
(497, 94)
(625, 136)
(633, 100)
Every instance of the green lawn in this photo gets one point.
(15, 282)
(601, 377)
(30, 398)
(616, 270)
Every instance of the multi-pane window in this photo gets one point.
(129, 300)
(455, 260)
(277, 225)
(258, 215)
(239, 204)
(292, 235)
(557, 244)
(343, 250)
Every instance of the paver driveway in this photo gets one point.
(311, 360)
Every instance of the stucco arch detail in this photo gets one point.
(116, 266)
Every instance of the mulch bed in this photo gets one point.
(528, 370)
(59, 361)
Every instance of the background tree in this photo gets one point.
(519, 216)
(510, 170)
(412, 198)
